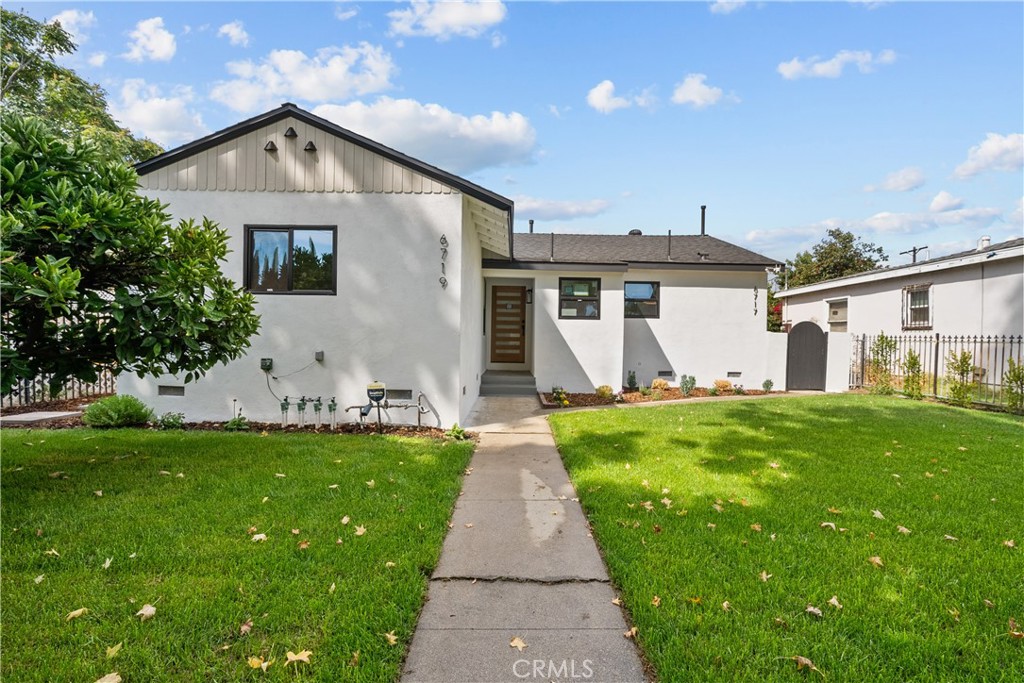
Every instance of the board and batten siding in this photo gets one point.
(243, 165)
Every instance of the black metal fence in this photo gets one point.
(37, 390)
(990, 356)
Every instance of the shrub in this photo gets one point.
(558, 393)
(713, 391)
(960, 369)
(171, 421)
(631, 380)
(456, 433)
(656, 395)
(659, 384)
(1013, 385)
(738, 389)
(604, 391)
(117, 411)
(880, 364)
(767, 385)
(645, 390)
(723, 385)
(912, 376)
(687, 383)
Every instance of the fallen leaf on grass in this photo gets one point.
(947, 537)
(279, 475)
(717, 507)
(955, 613)
(631, 633)
(518, 643)
(780, 622)
(371, 484)
(1015, 631)
(903, 530)
(360, 530)
(929, 475)
(98, 494)
(260, 538)
(774, 465)
(113, 650)
(345, 520)
(333, 486)
(303, 545)
(834, 601)
(165, 473)
(696, 600)
(617, 602)
(835, 511)
(667, 502)
(245, 627)
(877, 514)
(51, 552)
(296, 532)
(355, 659)
(77, 613)
(805, 663)
(961, 448)
(1009, 543)
(755, 527)
(39, 579)
(146, 612)
(331, 589)
(876, 560)
(647, 505)
(764, 576)
(389, 565)
(391, 638)
(300, 657)
(265, 499)
(813, 611)
(656, 601)
(251, 530)
(989, 604)
(828, 525)
(110, 678)
(259, 663)
(726, 606)
(106, 564)
(712, 526)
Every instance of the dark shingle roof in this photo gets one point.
(633, 249)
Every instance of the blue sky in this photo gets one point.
(900, 121)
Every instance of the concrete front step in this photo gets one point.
(507, 390)
(507, 383)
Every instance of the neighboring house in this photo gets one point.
(976, 292)
(370, 265)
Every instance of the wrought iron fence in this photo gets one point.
(28, 392)
(990, 356)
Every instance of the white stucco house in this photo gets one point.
(370, 265)
(975, 292)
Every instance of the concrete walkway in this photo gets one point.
(519, 562)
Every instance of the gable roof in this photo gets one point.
(634, 250)
(1001, 250)
(497, 212)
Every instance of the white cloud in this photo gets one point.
(558, 210)
(344, 11)
(334, 73)
(994, 153)
(602, 97)
(235, 33)
(75, 22)
(695, 92)
(726, 7)
(145, 110)
(833, 68)
(444, 20)
(903, 180)
(97, 59)
(944, 201)
(150, 40)
(911, 222)
(557, 111)
(455, 142)
(497, 39)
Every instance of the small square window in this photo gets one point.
(579, 298)
(917, 307)
(642, 299)
(290, 259)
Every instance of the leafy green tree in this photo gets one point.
(32, 83)
(95, 276)
(840, 254)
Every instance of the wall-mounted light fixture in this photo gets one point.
(270, 146)
(290, 133)
(529, 296)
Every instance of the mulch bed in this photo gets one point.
(59, 405)
(670, 394)
(576, 400)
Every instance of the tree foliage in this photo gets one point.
(32, 83)
(95, 276)
(841, 253)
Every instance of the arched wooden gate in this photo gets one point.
(806, 357)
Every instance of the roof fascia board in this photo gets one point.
(572, 267)
(906, 271)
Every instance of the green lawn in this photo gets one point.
(921, 616)
(184, 545)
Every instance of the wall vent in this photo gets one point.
(666, 373)
(398, 394)
(169, 390)
(733, 374)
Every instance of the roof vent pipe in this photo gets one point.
(703, 209)
(984, 243)
(552, 246)
(531, 226)
(670, 244)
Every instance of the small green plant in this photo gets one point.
(1013, 385)
(767, 385)
(171, 421)
(117, 411)
(456, 433)
(631, 380)
(644, 390)
(561, 398)
(912, 377)
(237, 424)
(738, 390)
(657, 394)
(604, 391)
(880, 364)
(960, 370)
(713, 390)
(659, 383)
(687, 383)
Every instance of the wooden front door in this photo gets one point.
(508, 324)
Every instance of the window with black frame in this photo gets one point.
(296, 259)
(642, 299)
(917, 307)
(579, 298)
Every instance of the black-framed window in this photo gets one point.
(291, 259)
(917, 307)
(579, 298)
(643, 299)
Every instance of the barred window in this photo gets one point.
(917, 307)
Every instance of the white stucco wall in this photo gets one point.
(390, 319)
(471, 361)
(983, 298)
(707, 328)
(837, 362)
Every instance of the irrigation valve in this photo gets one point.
(302, 411)
(284, 412)
(317, 407)
(332, 408)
